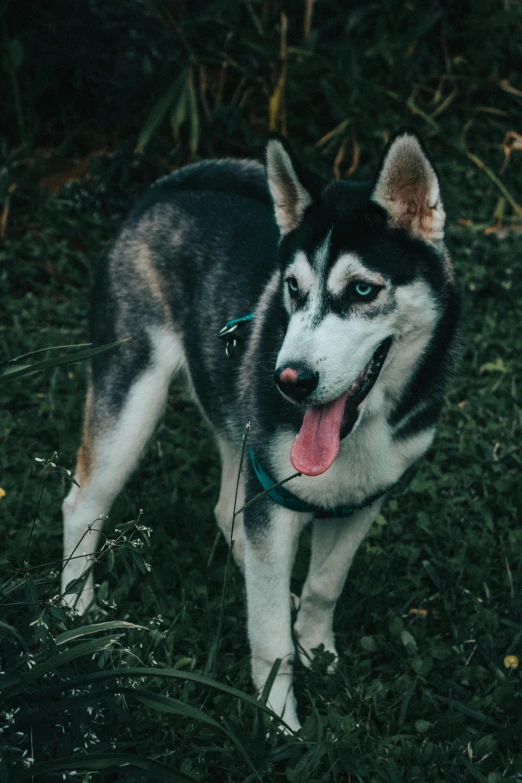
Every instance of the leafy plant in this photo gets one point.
(180, 103)
(45, 698)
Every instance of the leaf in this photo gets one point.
(484, 745)
(183, 662)
(476, 714)
(8, 631)
(56, 662)
(76, 585)
(259, 730)
(368, 644)
(177, 707)
(395, 626)
(143, 671)
(432, 573)
(43, 350)
(274, 105)
(409, 642)
(179, 112)
(405, 703)
(8, 371)
(475, 771)
(86, 630)
(111, 559)
(270, 681)
(159, 111)
(496, 366)
(194, 115)
(155, 770)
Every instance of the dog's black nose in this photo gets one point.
(297, 382)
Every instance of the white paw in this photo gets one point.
(307, 654)
(281, 701)
(309, 639)
(291, 723)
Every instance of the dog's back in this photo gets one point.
(200, 241)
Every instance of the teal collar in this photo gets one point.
(285, 498)
(232, 325)
(228, 332)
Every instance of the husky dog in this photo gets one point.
(341, 370)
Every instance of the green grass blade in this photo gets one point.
(7, 631)
(142, 671)
(176, 707)
(194, 115)
(172, 706)
(51, 348)
(160, 702)
(159, 111)
(8, 372)
(179, 112)
(57, 661)
(476, 714)
(259, 731)
(270, 681)
(123, 762)
(86, 630)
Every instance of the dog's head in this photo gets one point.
(364, 271)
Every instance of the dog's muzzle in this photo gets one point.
(296, 382)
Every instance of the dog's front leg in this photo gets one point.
(334, 544)
(272, 535)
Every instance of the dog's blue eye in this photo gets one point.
(293, 287)
(364, 289)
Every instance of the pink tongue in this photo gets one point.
(318, 441)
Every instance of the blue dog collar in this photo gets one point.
(229, 335)
(232, 325)
(285, 498)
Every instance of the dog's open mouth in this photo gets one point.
(319, 439)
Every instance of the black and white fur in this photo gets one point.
(215, 241)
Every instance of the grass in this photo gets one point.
(429, 620)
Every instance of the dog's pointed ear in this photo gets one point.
(407, 187)
(292, 186)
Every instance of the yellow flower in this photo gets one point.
(2, 492)
(511, 661)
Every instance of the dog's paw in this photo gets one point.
(312, 644)
(318, 654)
(289, 723)
(290, 726)
(281, 701)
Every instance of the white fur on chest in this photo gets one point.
(368, 462)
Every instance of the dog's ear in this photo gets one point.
(407, 187)
(292, 186)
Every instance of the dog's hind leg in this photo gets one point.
(334, 544)
(224, 510)
(122, 411)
